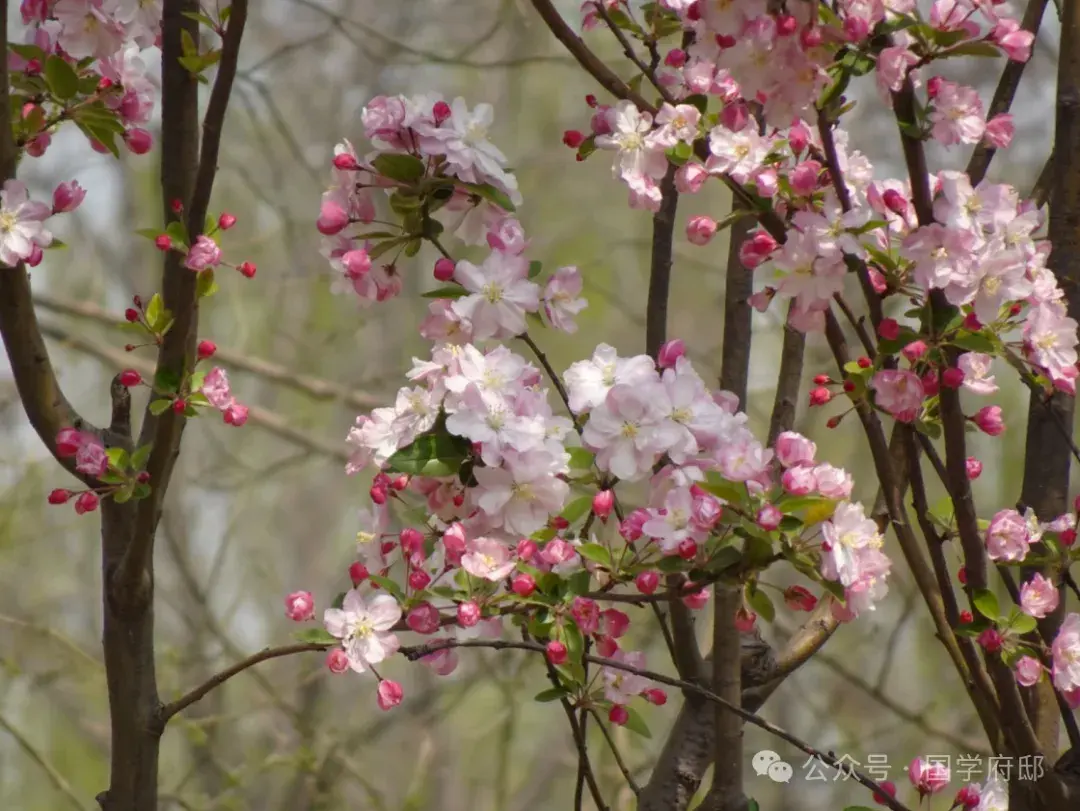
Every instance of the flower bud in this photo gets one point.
(468, 614)
(390, 694)
(603, 503)
(86, 502)
(556, 652)
(618, 715)
(423, 618)
(300, 606)
(337, 661)
(59, 496)
(523, 585)
(647, 581)
(670, 353)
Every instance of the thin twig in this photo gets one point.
(51, 772)
(634, 787)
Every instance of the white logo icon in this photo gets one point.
(767, 762)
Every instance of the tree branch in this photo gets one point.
(415, 652)
(167, 711)
(184, 177)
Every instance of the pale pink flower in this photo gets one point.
(87, 30)
(957, 115)
(794, 449)
(976, 369)
(1012, 39)
(893, 65)
(589, 381)
(507, 236)
(91, 458)
(1028, 670)
(524, 493)
(630, 429)
(501, 294)
(844, 535)
(620, 686)
(639, 152)
(900, 392)
(675, 124)
(487, 558)
(21, 228)
(1000, 130)
(1008, 537)
(562, 299)
(365, 628)
(1038, 596)
(833, 482)
(1066, 655)
(736, 153)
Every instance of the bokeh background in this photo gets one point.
(257, 512)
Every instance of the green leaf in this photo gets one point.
(154, 310)
(434, 453)
(535, 268)
(159, 407)
(581, 459)
(1023, 624)
(149, 233)
(635, 723)
(205, 285)
(974, 342)
(680, 153)
(166, 381)
(574, 640)
(551, 694)
(449, 291)
(316, 636)
(986, 603)
(124, 494)
(721, 487)
(760, 602)
(377, 251)
(971, 49)
(187, 43)
(61, 78)
(178, 232)
(402, 168)
(578, 583)
(596, 553)
(118, 458)
(577, 508)
(389, 585)
(491, 194)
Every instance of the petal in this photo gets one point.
(335, 621)
(354, 603)
(384, 612)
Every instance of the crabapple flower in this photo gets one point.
(1008, 537)
(21, 228)
(365, 628)
(976, 369)
(631, 429)
(487, 558)
(87, 448)
(1028, 670)
(1038, 596)
(520, 496)
(1066, 654)
(389, 694)
(562, 299)
(300, 606)
(501, 294)
(620, 686)
(989, 420)
(928, 778)
(899, 392)
(589, 381)
(204, 254)
(640, 153)
(845, 536)
(794, 449)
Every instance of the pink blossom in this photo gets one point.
(487, 558)
(1066, 656)
(390, 694)
(976, 369)
(690, 177)
(670, 352)
(365, 628)
(1000, 130)
(1028, 670)
(91, 458)
(1012, 39)
(23, 224)
(67, 197)
(620, 686)
(974, 468)
(562, 299)
(1008, 537)
(989, 420)
(794, 449)
(928, 778)
(700, 230)
(500, 295)
(204, 254)
(300, 606)
(893, 65)
(957, 115)
(337, 661)
(799, 480)
(899, 392)
(1038, 596)
(507, 236)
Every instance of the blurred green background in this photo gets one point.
(257, 512)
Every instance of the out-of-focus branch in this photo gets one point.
(269, 421)
(55, 777)
(1007, 86)
(172, 708)
(416, 652)
(788, 380)
(315, 387)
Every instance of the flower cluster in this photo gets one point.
(517, 496)
(86, 55)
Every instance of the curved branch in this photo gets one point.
(167, 711)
